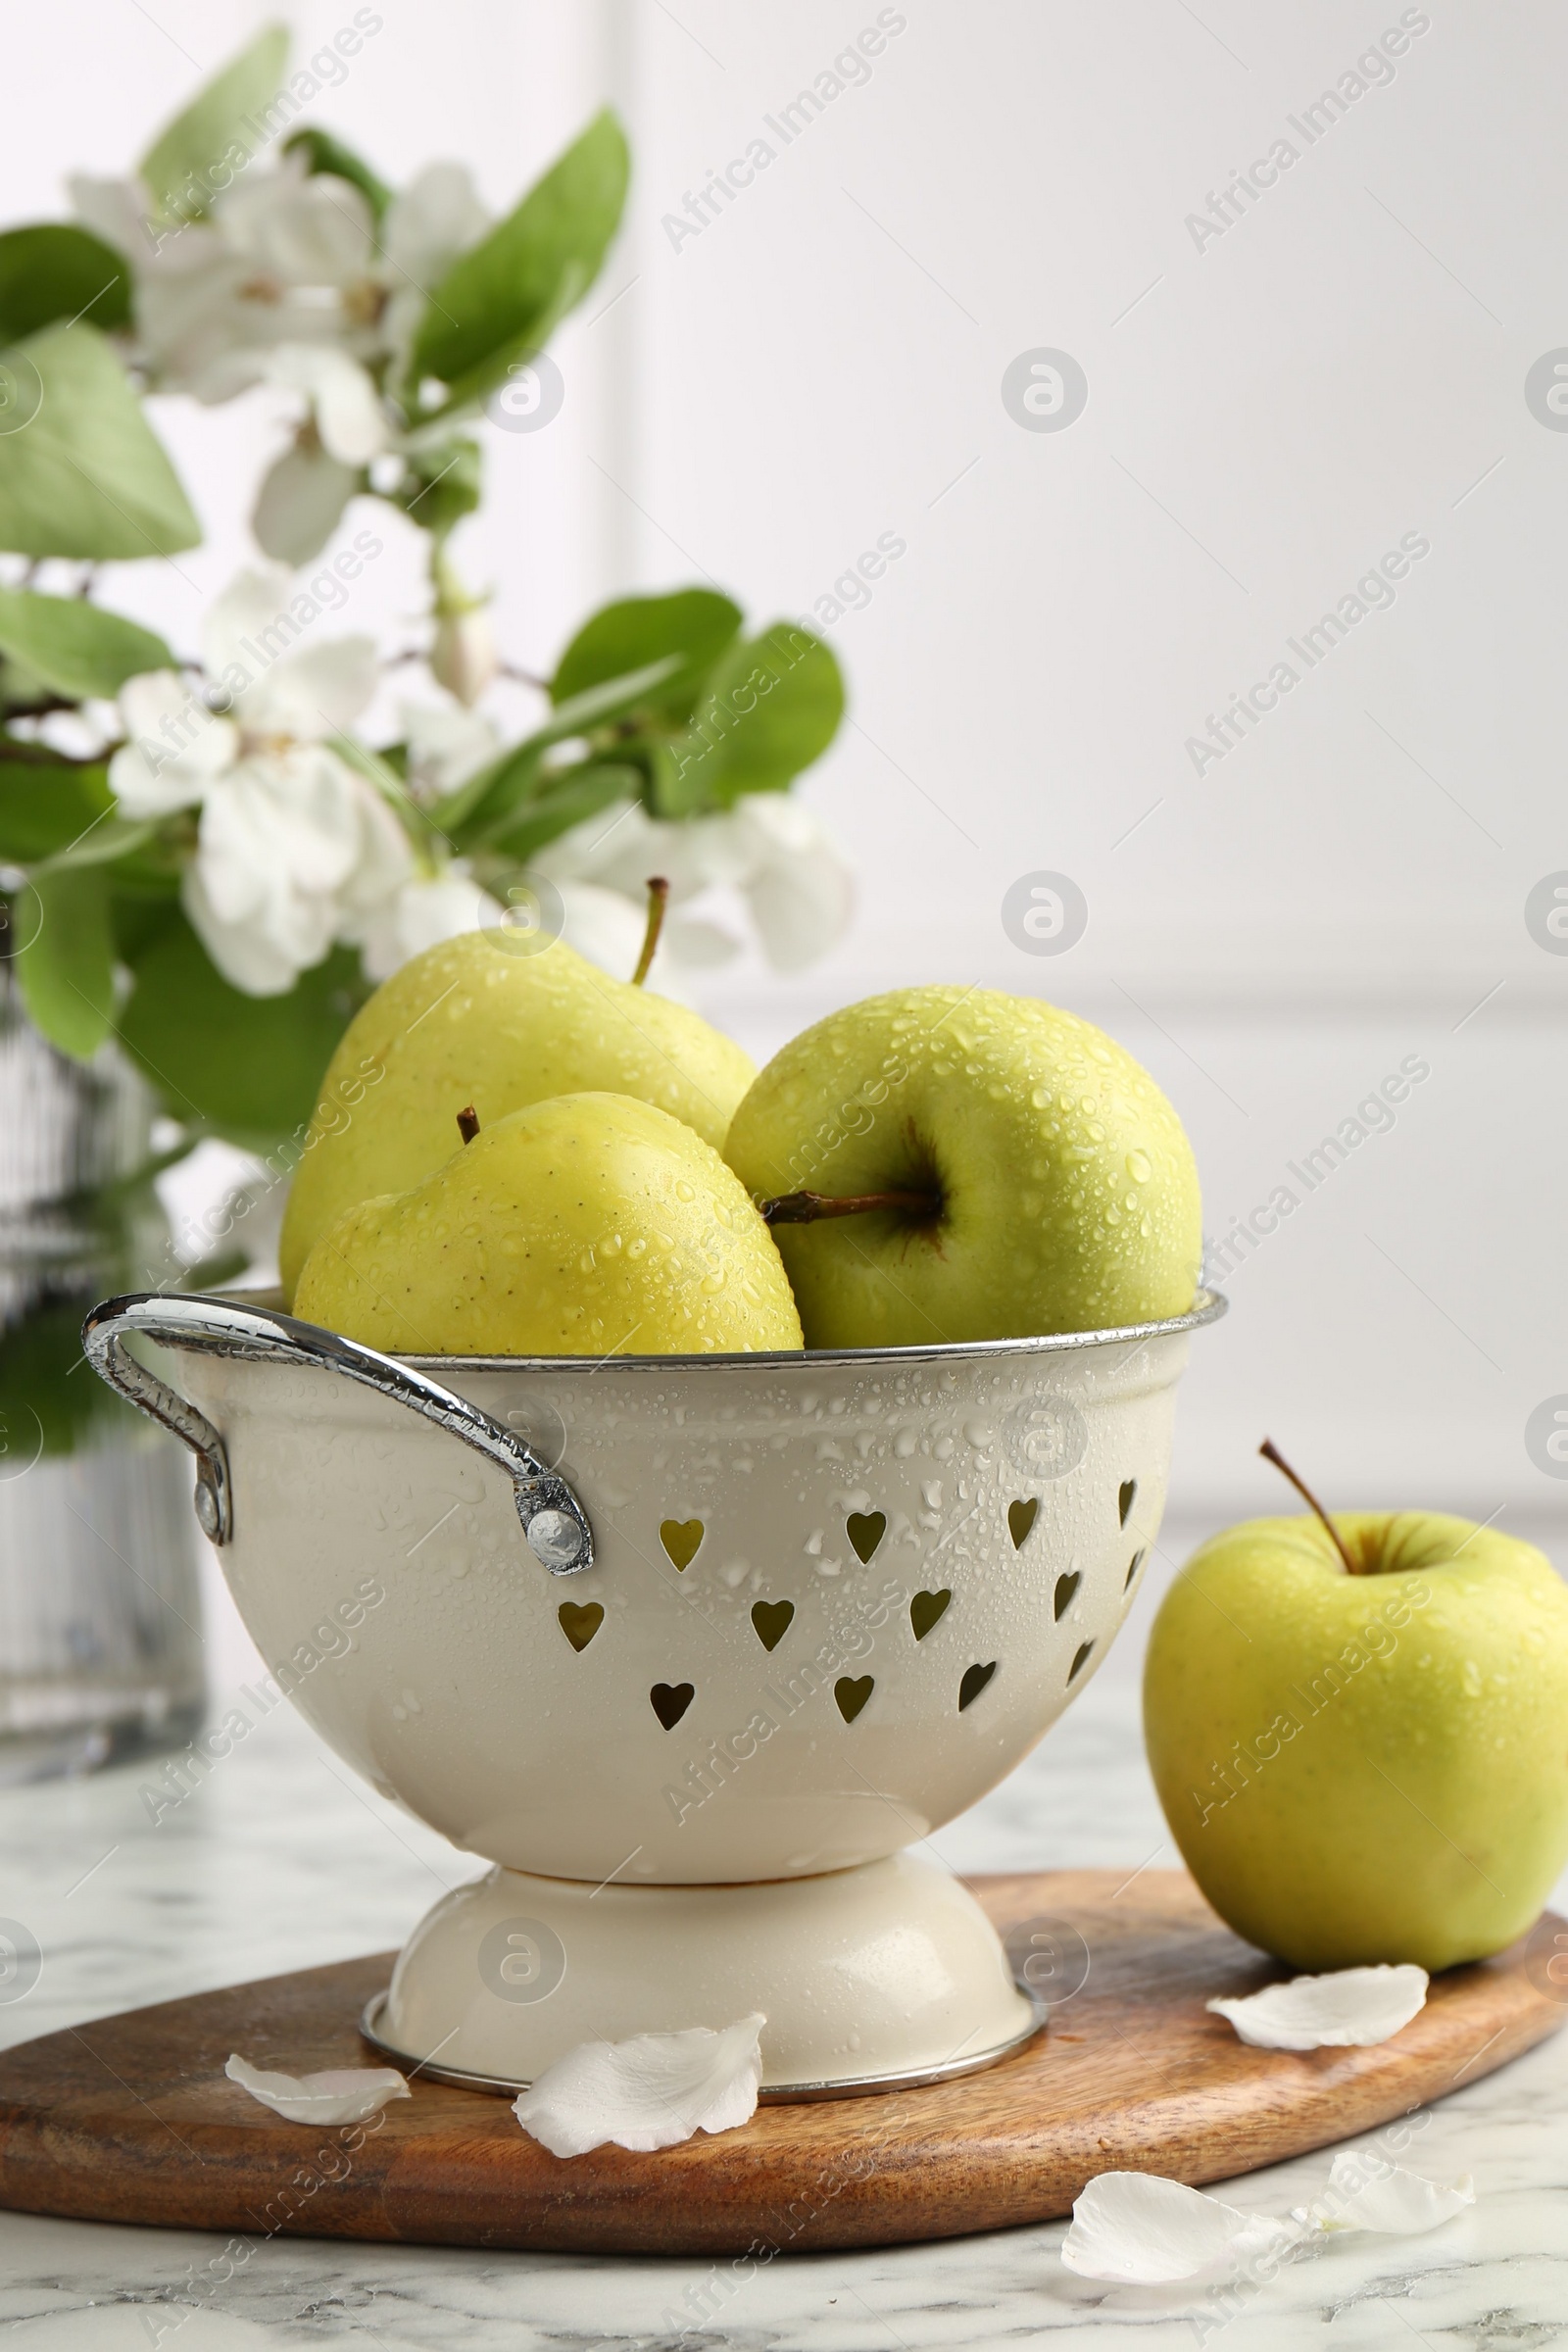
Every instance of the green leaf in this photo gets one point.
(696, 624)
(180, 168)
(116, 838)
(772, 705)
(74, 647)
(66, 964)
(47, 804)
(499, 789)
(56, 270)
(501, 300)
(582, 793)
(80, 470)
(138, 916)
(324, 153)
(249, 1067)
(441, 483)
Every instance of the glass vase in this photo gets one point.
(100, 1616)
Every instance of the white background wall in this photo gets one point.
(1265, 417)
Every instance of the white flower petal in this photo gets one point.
(343, 2094)
(608, 929)
(119, 212)
(1350, 2007)
(447, 745)
(772, 848)
(318, 690)
(313, 230)
(693, 945)
(353, 426)
(620, 847)
(801, 893)
(1367, 2192)
(652, 2092)
(1140, 2230)
(348, 412)
(243, 953)
(177, 747)
(279, 838)
(294, 686)
(430, 222)
(384, 865)
(428, 225)
(300, 503)
(200, 305)
(422, 914)
(246, 610)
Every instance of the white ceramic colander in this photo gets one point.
(769, 1620)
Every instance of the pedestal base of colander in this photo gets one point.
(870, 1979)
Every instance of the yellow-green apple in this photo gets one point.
(1368, 1766)
(952, 1164)
(590, 1225)
(476, 1021)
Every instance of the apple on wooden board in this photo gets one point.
(498, 1020)
(1358, 1730)
(591, 1225)
(951, 1163)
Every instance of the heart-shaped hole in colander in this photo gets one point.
(579, 1623)
(671, 1702)
(925, 1609)
(852, 1692)
(771, 1621)
(865, 1530)
(680, 1539)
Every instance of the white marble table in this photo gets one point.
(283, 1860)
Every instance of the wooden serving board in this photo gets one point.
(132, 2119)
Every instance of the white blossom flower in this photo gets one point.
(447, 745)
(769, 848)
(421, 914)
(294, 848)
(290, 281)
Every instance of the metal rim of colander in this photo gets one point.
(771, 2094)
(1209, 1306)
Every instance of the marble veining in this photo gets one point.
(281, 1859)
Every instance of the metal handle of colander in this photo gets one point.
(553, 1521)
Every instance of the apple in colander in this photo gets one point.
(949, 1164)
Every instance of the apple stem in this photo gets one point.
(657, 901)
(468, 1123)
(1271, 1453)
(805, 1209)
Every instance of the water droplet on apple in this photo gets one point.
(1140, 1167)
